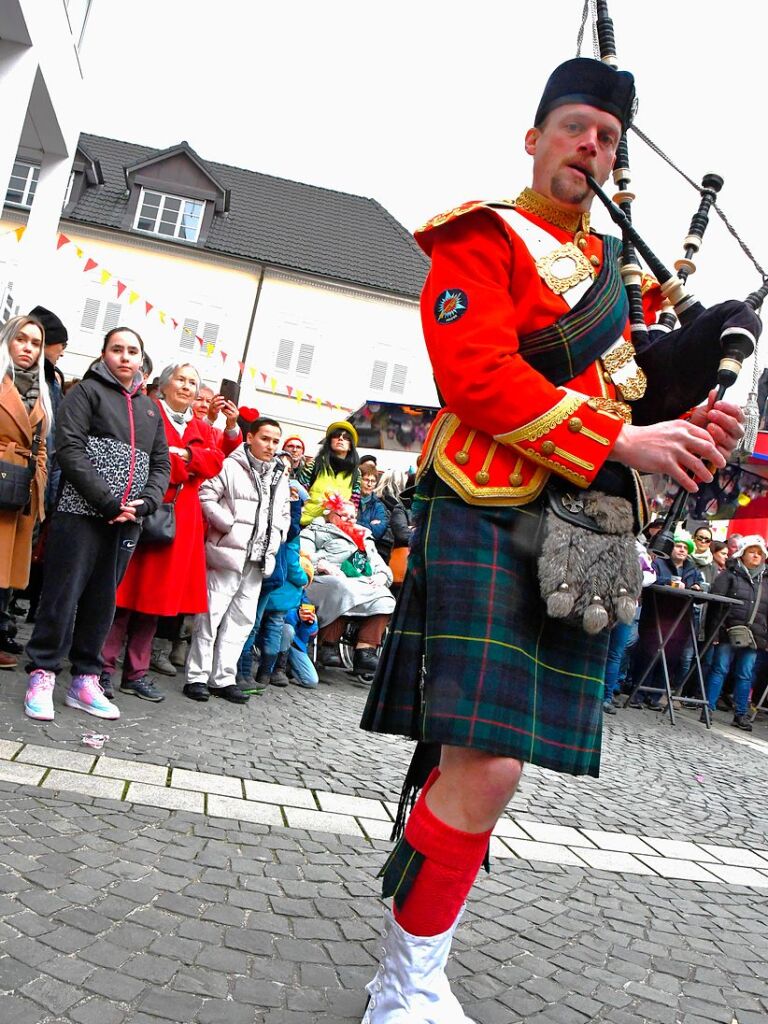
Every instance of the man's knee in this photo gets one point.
(476, 785)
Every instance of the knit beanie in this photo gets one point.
(55, 331)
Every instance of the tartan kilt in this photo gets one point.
(472, 659)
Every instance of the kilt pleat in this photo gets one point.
(472, 659)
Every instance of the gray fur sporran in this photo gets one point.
(589, 571)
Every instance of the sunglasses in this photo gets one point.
(704, 540)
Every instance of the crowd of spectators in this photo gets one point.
(164, 530)
(732, 639)
(155, 528)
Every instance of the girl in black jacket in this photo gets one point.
(113, 456)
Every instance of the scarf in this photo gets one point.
(705, 558)
(258, 465)
(179, 420)
(355, 533)
(27, 383)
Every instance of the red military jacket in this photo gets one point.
(504, 427)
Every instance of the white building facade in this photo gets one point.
(41, 84)
(308, 297)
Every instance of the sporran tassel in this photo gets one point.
(747, 444)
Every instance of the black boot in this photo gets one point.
(264, 675)
(364, 662)
(279, 675)
(328, 656)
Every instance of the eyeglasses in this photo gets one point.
(703, 540)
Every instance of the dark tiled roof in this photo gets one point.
(279, 222)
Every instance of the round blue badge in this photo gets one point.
(451, 305)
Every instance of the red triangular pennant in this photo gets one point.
(148, 306)
(62, 240)
(120, 288)
(223, 356)
(175, 323)
(289, 389)
(264, 377)
(241, 367)
(89, 265)
(199, 340)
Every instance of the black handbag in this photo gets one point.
(159, 527)
(16, 481)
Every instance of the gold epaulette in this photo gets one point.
(458, 211)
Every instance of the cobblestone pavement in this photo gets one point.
(115, 912)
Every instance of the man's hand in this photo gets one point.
(722, 420)
(217, 405)
(675, 448)
(231, 414)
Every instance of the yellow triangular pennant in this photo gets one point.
(105, 276)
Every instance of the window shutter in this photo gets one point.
(304, 362)
(111, 316)
(188, 332)
(399, 377)
(284, 354)
(210, 335)
(90, 315)
(378, 375)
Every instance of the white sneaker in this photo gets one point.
(38, 701)
(410, 985)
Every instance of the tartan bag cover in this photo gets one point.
(472, 659)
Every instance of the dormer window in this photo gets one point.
(22, 183)
(171, 216)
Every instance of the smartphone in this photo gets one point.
(230, 390)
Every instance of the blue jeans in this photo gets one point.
(245, 662)
(270, 638)
(621, 635)
(743, 661)
(299, 661)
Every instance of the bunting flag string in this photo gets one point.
(106, 277)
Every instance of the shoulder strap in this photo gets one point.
(32, 457)
(757, 602)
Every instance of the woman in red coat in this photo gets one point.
(166, 579)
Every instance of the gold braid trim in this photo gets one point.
(547, 421)
(618, 357)
(540, 206)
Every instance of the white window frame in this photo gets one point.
(30, 186)
(160, 209)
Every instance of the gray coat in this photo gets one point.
(333, 595)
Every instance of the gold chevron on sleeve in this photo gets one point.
(543, 424)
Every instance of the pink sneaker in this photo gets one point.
(38, 702)
(85, 694)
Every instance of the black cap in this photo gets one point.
(55, 331)
(584, 80)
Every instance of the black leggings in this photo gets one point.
(85, 561)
